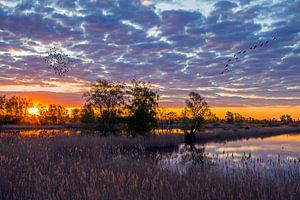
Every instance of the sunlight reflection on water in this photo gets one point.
(40, 132)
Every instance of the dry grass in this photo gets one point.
(93, 167)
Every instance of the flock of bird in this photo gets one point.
(58, 61)
(237, 55)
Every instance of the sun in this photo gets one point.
(33, 111)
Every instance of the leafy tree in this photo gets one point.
(161, 118)
(289, 119)
(193, 115)
(143, 103)
(108, 98)
(14, 110)
(212, 118)
(75, 115)
(3, 101)
(171, 119)
(286, 119)
(54, 114)
(283, 118)
(87, 115)
(238, 117)
(229, 117)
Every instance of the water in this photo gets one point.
(272, 152)
(276, 152)
(285, 147)
(39, 132)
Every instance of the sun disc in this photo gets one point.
(33, 111)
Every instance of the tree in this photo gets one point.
(108, 98)
(142, 107)
(75, 115)
(14, 110)
(3, 101)
(283, 118)
(193, 115)
(286, 119)
(212, 118)
(87, 115)
(54, 114)
(171, 119)
(229, 117)
(161, 118)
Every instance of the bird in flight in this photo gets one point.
(252, 47)
(58, 61)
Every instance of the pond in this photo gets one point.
(272, 152)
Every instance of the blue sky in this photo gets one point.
(179, 46)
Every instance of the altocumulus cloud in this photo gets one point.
(180, 46)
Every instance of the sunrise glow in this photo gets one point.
(33, 111)
(179, 46)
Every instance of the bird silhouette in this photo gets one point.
(58, 61)
(252, 47)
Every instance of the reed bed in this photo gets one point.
(94, 167)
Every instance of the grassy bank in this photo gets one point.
(94, 167)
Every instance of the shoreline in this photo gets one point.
(9, 127)
(165, 142)
(238, 134)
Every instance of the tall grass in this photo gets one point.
(94, 167)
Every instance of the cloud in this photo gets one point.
(178, 45)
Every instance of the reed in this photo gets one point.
(94, 167)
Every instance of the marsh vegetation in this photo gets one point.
(66, 165)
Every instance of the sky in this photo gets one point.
(179, 46)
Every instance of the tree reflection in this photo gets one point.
(193, 153)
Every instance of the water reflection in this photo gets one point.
(283, 146)
(40, 132)
(273, 152)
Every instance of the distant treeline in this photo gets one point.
(112, 106)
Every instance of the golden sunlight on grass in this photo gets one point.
(33, 111)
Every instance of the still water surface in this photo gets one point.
(284, 146)
(280, 152)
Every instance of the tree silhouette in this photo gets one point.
(87, 115)
(142, 107)
(14, 110)
(108, 98)
(229, 117)
(193, 115)
(54, 114)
